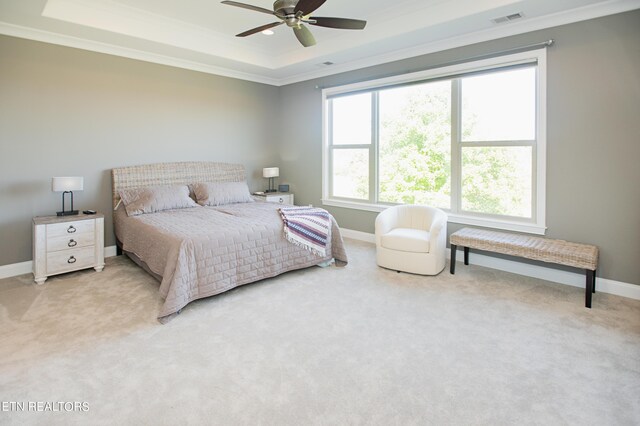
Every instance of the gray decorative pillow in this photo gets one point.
(156, 198)
(221, 193)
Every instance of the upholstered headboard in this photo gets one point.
(173, 174)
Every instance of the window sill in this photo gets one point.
(507, 225)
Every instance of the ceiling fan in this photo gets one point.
(296, 13)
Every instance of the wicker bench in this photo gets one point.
(583, 256)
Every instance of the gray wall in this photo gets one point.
(68, 112)
(593, 136)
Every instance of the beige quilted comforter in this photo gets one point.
(202, 251)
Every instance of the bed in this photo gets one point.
(201, 251)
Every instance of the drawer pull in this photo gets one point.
(71, 229)
(72, 243)
(72, 259)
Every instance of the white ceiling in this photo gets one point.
(200, 34)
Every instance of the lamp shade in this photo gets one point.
(61, 184)
(270, 172)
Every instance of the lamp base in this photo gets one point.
(270, 190)
(68, 213)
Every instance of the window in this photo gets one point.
(469, 139)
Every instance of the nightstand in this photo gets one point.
(276, 197)
(67, 243)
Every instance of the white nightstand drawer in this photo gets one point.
(71, 260)
(280, 199)
(70, 228)
(67, 242)
(277, 197)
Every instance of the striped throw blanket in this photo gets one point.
(307, 227)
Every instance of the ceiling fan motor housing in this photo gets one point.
(284, 7)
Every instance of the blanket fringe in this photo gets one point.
(304, 246)
(307, 227)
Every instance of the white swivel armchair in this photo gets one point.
(412, 238)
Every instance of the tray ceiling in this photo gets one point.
(200, 34)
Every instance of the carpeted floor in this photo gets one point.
(327, 346)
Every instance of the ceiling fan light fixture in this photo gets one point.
(268, 32)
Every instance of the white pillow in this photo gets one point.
(221, 193)
(153, 199)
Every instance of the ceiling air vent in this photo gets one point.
(507, 18)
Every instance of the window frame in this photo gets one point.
(534, 225)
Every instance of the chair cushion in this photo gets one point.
(406, 239)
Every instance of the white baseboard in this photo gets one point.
(14, 269)
(603, 285)
(21, 268)
(110, 251)
(358, 235)
(574, 279)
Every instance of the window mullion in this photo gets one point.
(534, 182)
(330, 145)
(456, 147)
(373, 151)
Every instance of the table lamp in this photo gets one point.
(271, 173)
(67, 185)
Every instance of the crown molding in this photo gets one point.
(125, 52)
(125, 20)
(562, 18)
(505, 30)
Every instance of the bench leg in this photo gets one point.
(594, 281)
(452, 267)
(466, 255)
(589, 288)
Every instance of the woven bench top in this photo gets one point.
(584, 256)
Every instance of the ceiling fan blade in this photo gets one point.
(308, 6)
(248, 6)
(258, 29)
(342, 23)
(304, 35)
